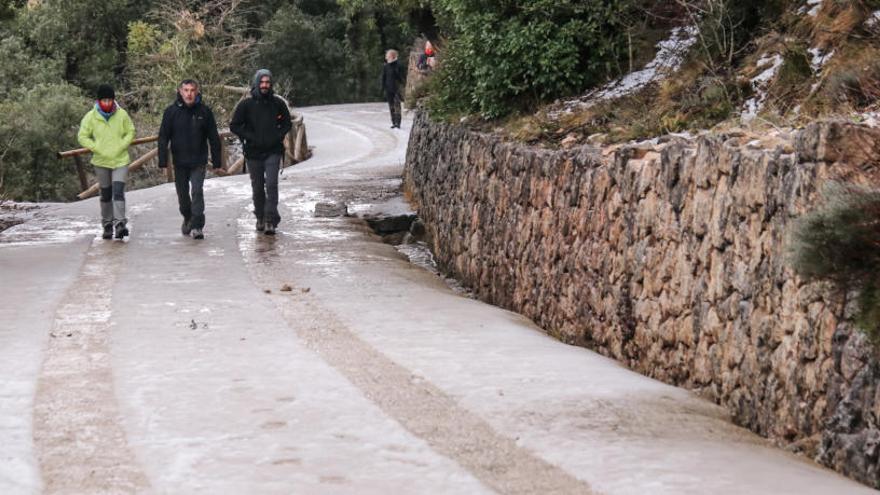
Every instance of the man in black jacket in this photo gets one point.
(190, 126)
(391, 82)
(262, 121)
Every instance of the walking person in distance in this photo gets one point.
(392, 81)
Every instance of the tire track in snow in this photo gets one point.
(418, 405)
(78, 435)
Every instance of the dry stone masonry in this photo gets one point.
(670, 256)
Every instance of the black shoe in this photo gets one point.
(108, 231)
(270, 229)
(121, 231)
(186, 228)
(198, 234)
(261, 225)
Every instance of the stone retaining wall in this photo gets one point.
(669, 257)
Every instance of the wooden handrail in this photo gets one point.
(143, 140)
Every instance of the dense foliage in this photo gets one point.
(330, 52)
(503, 54)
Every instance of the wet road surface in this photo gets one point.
(168, 365)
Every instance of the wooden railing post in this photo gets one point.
(81, 172)
(301, 145)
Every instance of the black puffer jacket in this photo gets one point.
(190, 130)
(261, 122)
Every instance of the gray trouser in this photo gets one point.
(112, 183)
(191, 207)
(264, 182)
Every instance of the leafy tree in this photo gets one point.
(332, 51)
(182, 39)
(304, 45)
(88, 37)
(20, 68)
(8, 8)
(504, 54)
(373, 28)
(45, 119)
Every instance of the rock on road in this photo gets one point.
(168, 365)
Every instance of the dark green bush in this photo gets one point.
(43, 119)
(502, 55)
(310, 52)
(840, 243)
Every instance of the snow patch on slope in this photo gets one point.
(669, 57)
(760, 84)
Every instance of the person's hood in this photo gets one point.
(255, 82)
(182, 104)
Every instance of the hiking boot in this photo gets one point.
(261, 225)
(270, 229)
(108, 231)
(198, 234)
(186, 228)
(121, 231)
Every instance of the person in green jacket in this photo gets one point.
(107, 131)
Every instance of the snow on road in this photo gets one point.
(189, 370)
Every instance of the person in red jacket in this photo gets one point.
(427, 61)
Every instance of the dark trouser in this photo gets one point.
(192, 208)
(394, 106)
(264, 182)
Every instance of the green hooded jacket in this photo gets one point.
(108, 140)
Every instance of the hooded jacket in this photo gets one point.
(261, 121)
(190, 130)
(107, 138)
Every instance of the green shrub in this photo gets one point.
(20, 67)
(88, 37)
(840, 243)
(143, 38)
(44, 120)
(503, 55)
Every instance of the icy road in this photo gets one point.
(169, 365)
